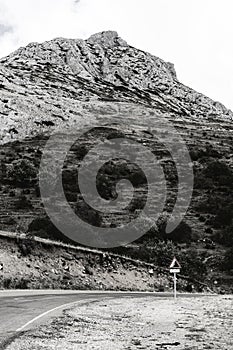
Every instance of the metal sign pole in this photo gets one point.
(175, 285)
(175, 268)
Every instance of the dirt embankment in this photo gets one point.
(43, 264)
(148, 323)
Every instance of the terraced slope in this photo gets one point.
(75, 83)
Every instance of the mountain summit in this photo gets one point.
(52, 81)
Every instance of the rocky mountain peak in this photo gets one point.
(102, 55)
(68, 73)
(107, 39)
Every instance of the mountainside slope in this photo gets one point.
(37, 264)
(80, 82)
(43, 82)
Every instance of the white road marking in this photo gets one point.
(64, 306)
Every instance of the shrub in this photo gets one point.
(228, 260)
(181, 234)
(163, 252)
(7, 283)
(22, 283)
(23, 203)
(224, 217)
(192, 264)
(25, 247)
(21, 172)
(219, 172)
(88, 214)
(202, 182)
(44, 228)
(225, 236)
(15, 283)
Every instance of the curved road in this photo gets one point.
(23, 310)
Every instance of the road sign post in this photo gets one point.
(175, 285)
(175, 268)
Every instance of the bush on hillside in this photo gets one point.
(225, 237)
(181, 234)
(219, 172)
(21, 172)
(23, 203)
(44, 228)
(228, 260)
(192, 264)
(224, 217)
(163, 252)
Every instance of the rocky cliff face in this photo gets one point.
(66, 83)
(54, 81)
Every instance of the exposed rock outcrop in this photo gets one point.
(54, 81)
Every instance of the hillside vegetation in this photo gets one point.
(104, 80)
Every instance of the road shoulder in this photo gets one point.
(132, 323)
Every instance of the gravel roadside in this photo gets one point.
(131, 323)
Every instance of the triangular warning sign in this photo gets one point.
(175, 264)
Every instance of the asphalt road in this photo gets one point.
(23, 310)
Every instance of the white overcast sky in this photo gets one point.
(195, 35)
